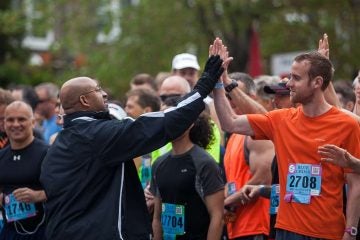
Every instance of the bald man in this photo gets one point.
(21, 193)
(88, 174)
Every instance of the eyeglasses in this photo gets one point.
(97, 89)
(168, 96)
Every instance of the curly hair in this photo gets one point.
(202, 133)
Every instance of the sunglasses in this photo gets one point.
(171, 99)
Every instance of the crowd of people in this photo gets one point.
(189, 154)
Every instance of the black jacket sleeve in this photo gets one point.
(125, 140)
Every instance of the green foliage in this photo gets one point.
(11, 23)
(153, 31)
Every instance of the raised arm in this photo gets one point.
(330, 94)
(229, 121)
(244, 103)
(165, 126)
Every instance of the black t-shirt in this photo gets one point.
(187, 179)
(21, 168)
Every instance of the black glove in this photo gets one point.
(210, 76)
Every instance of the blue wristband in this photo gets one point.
(219, 85)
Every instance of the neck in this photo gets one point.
(181, 145)
(20, 145)
(316, 107)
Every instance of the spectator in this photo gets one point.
(186, 65)
(346, 95)
(47, 94)
(143, 80)
(140, 101)
(264, 98)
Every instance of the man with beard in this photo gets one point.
(310, 192)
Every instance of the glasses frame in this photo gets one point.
(97, 89)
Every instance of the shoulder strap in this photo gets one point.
(246, 151)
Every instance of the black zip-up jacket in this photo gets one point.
(90, 179)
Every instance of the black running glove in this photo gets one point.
(210, 76)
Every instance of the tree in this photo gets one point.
(144, 35)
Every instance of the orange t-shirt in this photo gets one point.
(253, 218)
(296, 139)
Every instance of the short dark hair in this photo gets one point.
(319, 66)
(144, 78)
(147, 98)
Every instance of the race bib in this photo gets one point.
(274, 198)
(303, 181)
(172, 220)
(15, 210)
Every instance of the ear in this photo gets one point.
(147, 109)
(318, 82)
(84, 101)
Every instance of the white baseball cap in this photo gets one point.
(185, 60)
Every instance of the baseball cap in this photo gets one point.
(279, 89)
(185, 60)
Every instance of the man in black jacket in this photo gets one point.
(88, 174)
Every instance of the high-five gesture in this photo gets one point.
(324, 46)
(219, 48)
(212, 72)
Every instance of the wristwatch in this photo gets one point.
(351, 230)
(231, 86)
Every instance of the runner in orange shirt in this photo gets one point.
(310, 190)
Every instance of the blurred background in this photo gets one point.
(112, 40)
